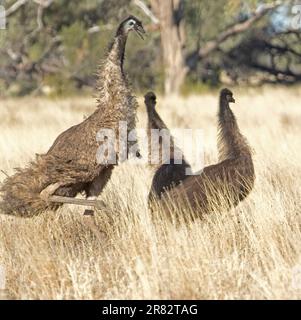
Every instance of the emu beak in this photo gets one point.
(232, 100)
(140, 30)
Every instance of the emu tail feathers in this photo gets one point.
(21, 192)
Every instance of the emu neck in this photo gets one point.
(116, 53)
(231, 143)
(154, 118)
(111, 78)
(155, 122)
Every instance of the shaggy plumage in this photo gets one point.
(168, 172)
(71, 161)
(224, 184)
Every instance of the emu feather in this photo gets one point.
(71, 161)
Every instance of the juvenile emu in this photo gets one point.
(70, 166)
(224, 184)
(169, 173)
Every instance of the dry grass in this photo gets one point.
(246, 253)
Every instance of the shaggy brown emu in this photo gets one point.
(70, 166)
(169, 173)
(224, 184)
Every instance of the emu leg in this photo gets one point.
(95, 188)
(50, 190)
(82, 202)
(47, 195)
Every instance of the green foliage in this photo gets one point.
(60, 85)
(75, 43)
(35, 51)
(147, 74)
(195, 86)
(22, 87)
(72, 62)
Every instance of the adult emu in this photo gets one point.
(168, 172)
(70, 166)
(222, 185)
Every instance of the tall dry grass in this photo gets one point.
(250, 252)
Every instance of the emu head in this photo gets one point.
(132, 24)
(150, 100)
(227, 95)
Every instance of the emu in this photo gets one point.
(168, 172)
(70, 166)
(222, 185)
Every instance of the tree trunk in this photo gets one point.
(172, 39)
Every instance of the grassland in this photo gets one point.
(253, 251)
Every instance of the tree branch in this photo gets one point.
(236, 29)
(146, 10)
(282, 49)
(13, 8)
(275, 72)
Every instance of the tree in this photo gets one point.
(170, 14)
(58, 44)
(177, 62)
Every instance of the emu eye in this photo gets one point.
(132, 23)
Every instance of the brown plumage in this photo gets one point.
(169, 173)
(71, 161)
(224, 184)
